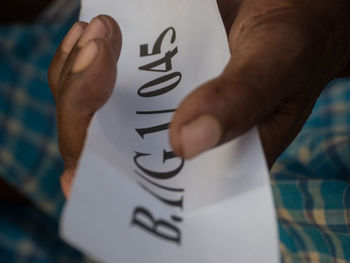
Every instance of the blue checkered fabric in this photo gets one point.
(29, 159)
(311, 183)
(27, 235)
(310, 180)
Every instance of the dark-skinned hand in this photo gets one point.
(283, 53)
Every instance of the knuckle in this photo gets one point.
(238, 104)
(287, 28)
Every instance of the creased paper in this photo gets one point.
(133, 200)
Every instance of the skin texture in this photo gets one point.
(284, 53)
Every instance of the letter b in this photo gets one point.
(159, 228)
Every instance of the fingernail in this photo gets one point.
(200, 135)
(95, 29)
(85, 57)
(106, 24)
(72, 37)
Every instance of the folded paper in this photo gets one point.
(133, 200)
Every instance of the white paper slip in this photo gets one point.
(133, 200)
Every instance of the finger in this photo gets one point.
(86, 82)
(86, 87)
(62, 53)
(267, 64)
(102, 26)
(281, 127)
(228, 11)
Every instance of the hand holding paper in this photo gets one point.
(259, 86)
(263, 84)
(81, 91)
(132, 195)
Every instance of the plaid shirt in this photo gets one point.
(29, 158)
(311, 184)
(310, 180)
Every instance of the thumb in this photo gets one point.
(86, 83)
(268, 52)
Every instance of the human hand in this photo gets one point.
(284, 52)
(82, 75)
(271, 80)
